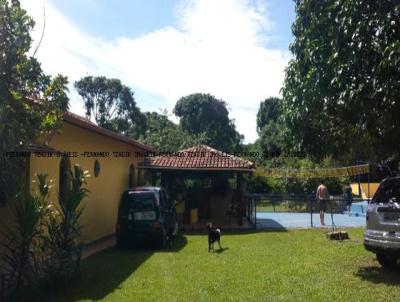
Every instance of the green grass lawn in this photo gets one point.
(261, 266)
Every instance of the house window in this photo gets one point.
(96, 168)
(65, 170)
(131, 176)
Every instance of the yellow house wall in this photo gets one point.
(100, 214)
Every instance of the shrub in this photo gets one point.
(45, 241)
(24, 238)
(262, 184)
(64, 240)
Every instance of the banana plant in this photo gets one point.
(23, 238)
(64, 241)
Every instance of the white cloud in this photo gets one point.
(218, 48)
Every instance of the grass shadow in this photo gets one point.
(377, 274)
(102, 273)
(235, 231)
(220, 251)
(270, 224)
(178, 243)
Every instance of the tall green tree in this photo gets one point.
(166, 136)
(112, 105)
(341, 91)
(269, 111)
(270, 125)
(31, 103)
(203, 114)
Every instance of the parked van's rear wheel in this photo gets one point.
(176, 229)
(386, 260)
(162, 240)
(121, 242)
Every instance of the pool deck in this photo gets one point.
(283, 220)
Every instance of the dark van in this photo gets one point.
(145, 214)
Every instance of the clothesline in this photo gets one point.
(317, 173)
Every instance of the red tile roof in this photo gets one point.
(35, 147)
(200, 157)
(83, 122)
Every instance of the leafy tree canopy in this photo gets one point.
(21, 80)
(269, 111)
(204, 114)
(166, 136)
(112, 105)
(270, 126)
(341, 90)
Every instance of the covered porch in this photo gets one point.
(208, 185)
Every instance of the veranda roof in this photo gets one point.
(199, 157)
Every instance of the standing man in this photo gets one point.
(322, 197)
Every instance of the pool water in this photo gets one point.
(285, 220)
(359, 209)
(279, 220)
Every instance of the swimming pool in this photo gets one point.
(359, 208)
(279, 220)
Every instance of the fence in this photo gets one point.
(290, 203)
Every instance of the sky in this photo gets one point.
(236, 50)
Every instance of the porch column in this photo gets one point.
(140, 177)
(164, 178)
(153, 178)
(240, 192)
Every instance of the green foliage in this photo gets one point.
(161, 133)
(24, 239)
(341, 91)
(64, 241)
(166, 136)
(203, 114)
(260, 183)
(269, 111)
(270, 126)
(21, 76)
(44, 242)
(112, 105)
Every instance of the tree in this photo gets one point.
(112, 104)
(270, 125)
(31, 103)
(203, 114)
(341, 90)
(269, 111)
(166, 136)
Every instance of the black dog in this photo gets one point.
(213, 235)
